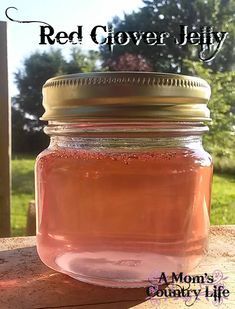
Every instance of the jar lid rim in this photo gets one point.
(126, 94)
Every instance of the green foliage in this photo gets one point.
(37, 69)
(220, 141)
(80, 62)
(166, 15)
(27, 105)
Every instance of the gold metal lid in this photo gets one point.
(126, 95)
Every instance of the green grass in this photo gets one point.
(223, 195)
(22, 193)
(223, 199)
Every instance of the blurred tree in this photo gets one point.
(27, 135)
(167, 15)
(83, 62)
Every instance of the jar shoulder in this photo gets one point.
(43, 155)
(196, 156)
(202, 156)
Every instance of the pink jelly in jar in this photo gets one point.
(123, 190)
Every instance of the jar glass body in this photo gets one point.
(117, 202)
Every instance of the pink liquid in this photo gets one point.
(113, 218)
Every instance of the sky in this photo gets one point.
(23, 38)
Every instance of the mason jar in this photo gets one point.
(124, 188)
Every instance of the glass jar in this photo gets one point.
(123, 190)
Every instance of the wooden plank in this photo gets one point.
(5, 137)
(26, 283)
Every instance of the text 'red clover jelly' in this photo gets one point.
(123, 190)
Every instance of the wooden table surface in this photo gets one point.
(25, 282)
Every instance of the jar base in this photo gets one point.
(129, 272)
(117, 264)
(110, 283)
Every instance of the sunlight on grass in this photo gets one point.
(22, 193)
(223, 199)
